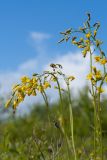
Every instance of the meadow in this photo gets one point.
(74, 127)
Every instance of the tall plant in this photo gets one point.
(86, 39)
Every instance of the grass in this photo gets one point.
(30, 137)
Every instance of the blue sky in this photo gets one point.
(19, 18)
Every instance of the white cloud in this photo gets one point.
(28, 66)
(39, 42)
(38, 36)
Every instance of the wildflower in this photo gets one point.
(95, 32)
(46, 85)
(87, 41)
(87, 48)
(23, 88)
(74, 42)
(97, 58)
(88, 35)
(100, 90)
(81, 46)
(84, 52)
(25, 79)
(103, 61)
(90, 76)
(98, 75)
(81, 39)
(29, 92)
(98, 42)
(33, 93)
(40, 88)
(15, 104)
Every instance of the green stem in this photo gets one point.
(71, 122)
(100, 126)
(95, 107)
(46, 101)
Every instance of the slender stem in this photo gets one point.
(46, 101)
(100, 126)
(71, 122)
(95, 107)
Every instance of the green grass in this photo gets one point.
(32, 137)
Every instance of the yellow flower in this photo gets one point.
(81, 39)
(87, 48)
(34, 80)
(33, 93)
(15, 104)
(103, 61)
(40, 88)
(95, 32)
(98, 75)
(25, 79)
(88, 35)
(90, 76)
(23, 88)
(74, 42)
(84, 52)
(87, 41)
(80, 46)
(46, 85)
(100, 90)
(97, 58)
(29, 92)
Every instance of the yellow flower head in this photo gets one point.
(40, 88)
(46, 85)
(15, 104)
(81, 46)
(33, 93)
(95, 32)
(87, 41)
(98, 75)
(84, 52)
(25, 79)
(103, 61)
(90, 76)
(100, 90)
(88, 35)
(87, 48)
(97, 58)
